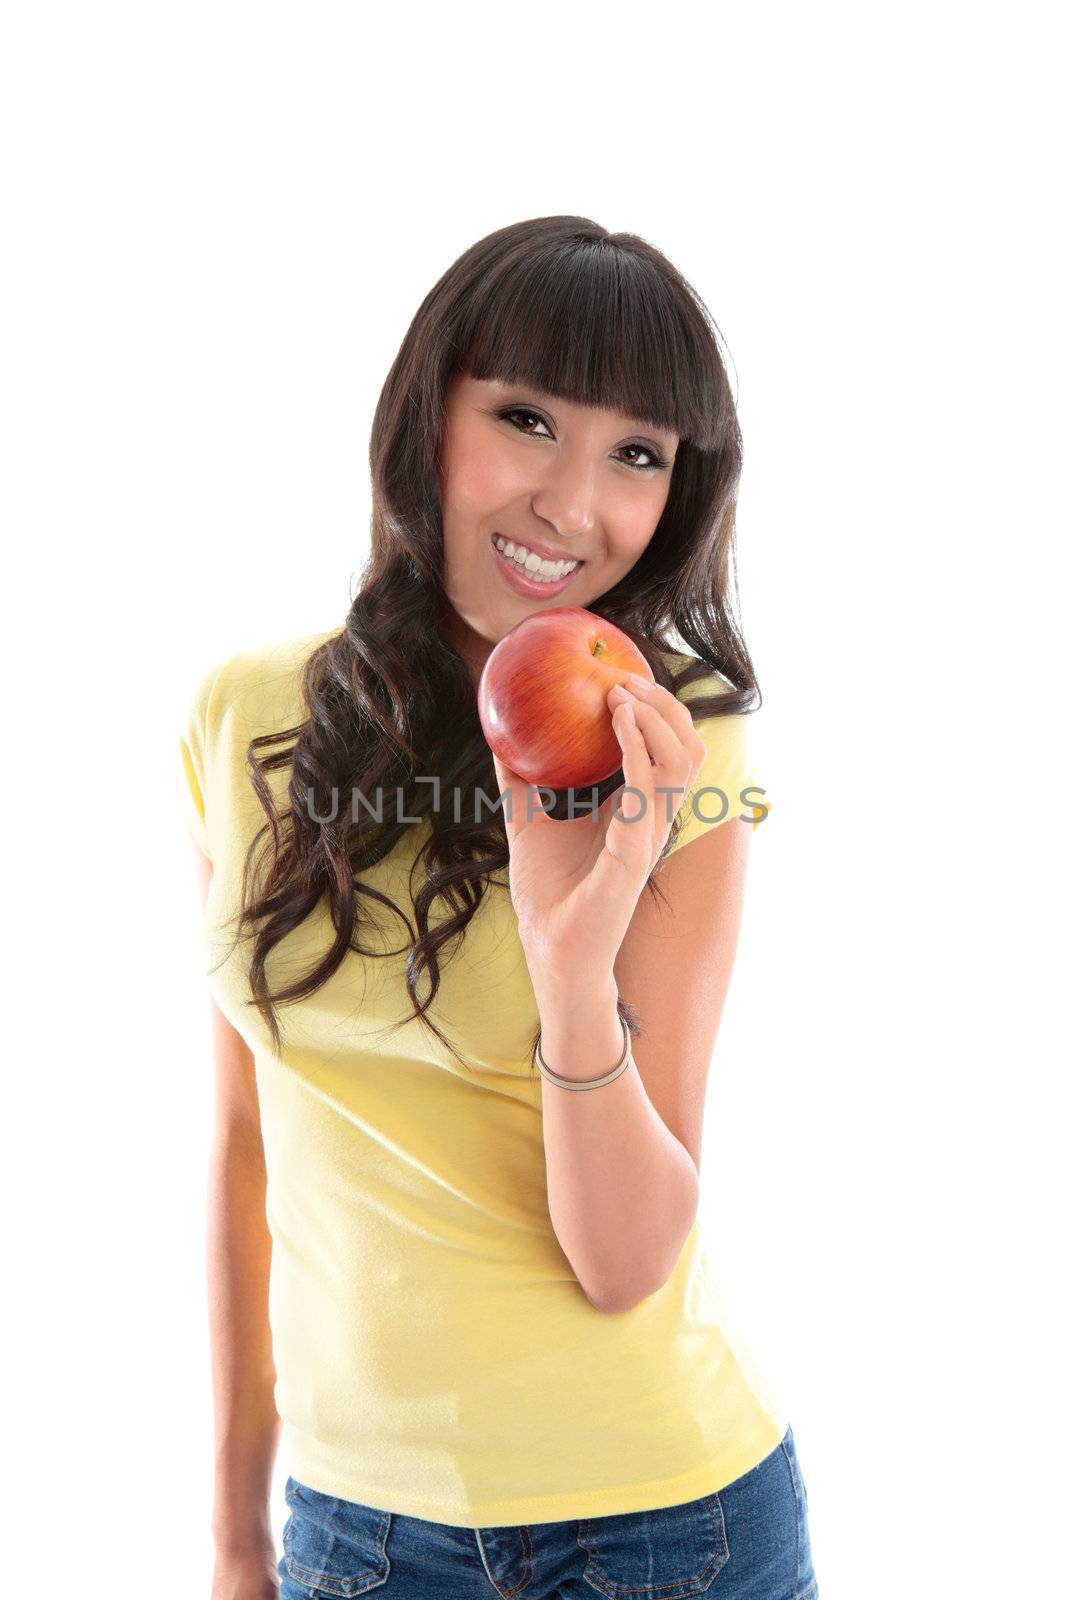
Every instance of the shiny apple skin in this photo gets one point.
(542, 697)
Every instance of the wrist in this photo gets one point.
(239, 1540)
(580, 1033)
(571, 988)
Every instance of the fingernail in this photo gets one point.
(642, 685)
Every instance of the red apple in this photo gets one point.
(542, 697)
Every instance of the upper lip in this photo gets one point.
(541, 550)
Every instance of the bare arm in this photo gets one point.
(624, 1160)
(247, 1425)
(622, 1189)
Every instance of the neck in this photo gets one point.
(470, 645)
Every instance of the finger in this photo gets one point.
(669, 779)
(525, 801)
(632, 809)
(675, 711)
(658, 730)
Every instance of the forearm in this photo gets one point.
(622, 1190)
(247, 1425)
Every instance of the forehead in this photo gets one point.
(495, 387)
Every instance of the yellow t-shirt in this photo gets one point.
(435, 1354)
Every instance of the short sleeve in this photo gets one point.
(726, 785)
(191, 774)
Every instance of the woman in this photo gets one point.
(455, 1245)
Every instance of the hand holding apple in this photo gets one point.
(575, 885)
(542, 696)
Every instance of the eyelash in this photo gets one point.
(656, 464)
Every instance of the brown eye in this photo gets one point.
(506, 416)
(655, 462)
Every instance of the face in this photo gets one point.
(556, 480)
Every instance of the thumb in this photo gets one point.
(525, 804)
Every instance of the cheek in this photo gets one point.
(632, 538)
(473, 481)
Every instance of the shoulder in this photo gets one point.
(698, 678)
(723, 731)
(237, 698)
(251, 689)
(724, 785)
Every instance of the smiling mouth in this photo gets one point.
(532, 566)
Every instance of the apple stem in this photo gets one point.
(598, 648)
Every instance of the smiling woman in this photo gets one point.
(491, 1307)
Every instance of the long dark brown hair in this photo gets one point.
(594, 317)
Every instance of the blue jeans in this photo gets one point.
(749, 1541)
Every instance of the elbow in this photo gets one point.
(620, 1292)
(614, 1298)
(611, 1304)
(621, 1296)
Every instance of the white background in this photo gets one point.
(219, 222)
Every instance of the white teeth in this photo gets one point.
(533, 566)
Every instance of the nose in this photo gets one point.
(565, 496)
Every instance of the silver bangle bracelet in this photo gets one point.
(588, 1083)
